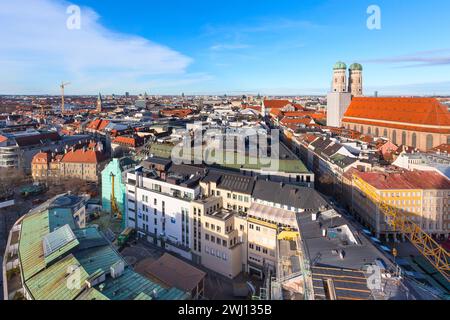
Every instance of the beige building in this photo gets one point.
(216, 241)
(238, 221)
(83, 163)
(423, 196)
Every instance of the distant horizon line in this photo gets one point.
(218, 95)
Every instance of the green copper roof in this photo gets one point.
(340, 65)
(356, 66)
(51, 251)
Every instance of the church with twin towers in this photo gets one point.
(344, 86)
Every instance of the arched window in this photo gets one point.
(394, 137)
(377, 132)
(354, 127)
(414, 140)
(404, 138)
(385, 133)
(429, 141)
(369, 130)
(448, 140)
(362, 129)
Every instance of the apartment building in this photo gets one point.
(82, 161)
(158, 205)
(234, 189)
(274, 211)
(423, 196)
(217, 244)
(226, 221)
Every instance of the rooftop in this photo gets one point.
(52, 248)
(171, 271)
(419, 114)
(288, 195)
(427, 180)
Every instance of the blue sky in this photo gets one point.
(216, 47)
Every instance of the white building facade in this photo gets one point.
(160, 211)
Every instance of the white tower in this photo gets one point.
(339, 98)
(339, 77)
(355, 80)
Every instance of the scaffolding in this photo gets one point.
(285, 273)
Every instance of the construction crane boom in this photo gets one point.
(427, 246)
(63, 86)
(114, 207)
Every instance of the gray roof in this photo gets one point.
(237, 183)
(320, 249)
(287, 194)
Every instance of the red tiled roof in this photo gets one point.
(405, 180)
(180, 113)
(83, 156)
(256, 108)
(98, 124)
(305, 121)
(280, 104)
(410, 113)
(130, 141)
(41, 157)
(442, 148)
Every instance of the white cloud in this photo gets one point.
(226, 46)
(37, 51)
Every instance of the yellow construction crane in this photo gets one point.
(63, 86)
(114, 207)
(426, 245)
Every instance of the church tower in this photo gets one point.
(339, 98)
(339, 77)
(99, 103)
(355, 80)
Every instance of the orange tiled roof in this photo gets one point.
(130, 141)
(280, 104)
(3, 138)
(41, 157)
(256, 108)
(180, 113)
(98, 124)
(442, 148)
(405, 180)
(406, 113)
(297, 121)
(83, 156)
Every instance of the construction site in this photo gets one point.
(328, 258)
